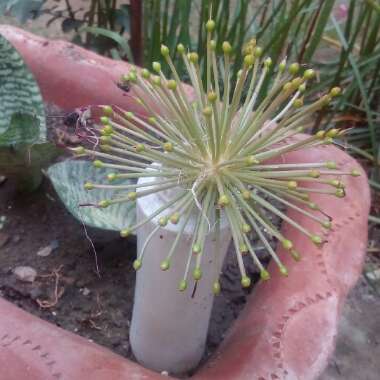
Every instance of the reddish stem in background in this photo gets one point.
(136, 30)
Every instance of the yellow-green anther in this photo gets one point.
(145, 73)
(132, 77)
(283, 270)
(330, 165)
(211, 97)
(355, 173)
(98, 164)
(309, 74)
(163, 221)
(107, 130)
(314, 173)
(105, 147)
(197, 274)
(292, 185)
(326, 224)
(174, 218)
(107, 111)
(227, 48)
(182, 285)
(243, 248)
(152, 120)
(320, 134)
(313, 206)
(168, 147)
(210, 25)
(340, 193)
(132, 195)
(316, 239)
(104, 203)
(246, 194)
(296, 82)
(298, 103)
(335, 183)
(125, 233)
(180, 49)
(212, 45)
(165, 264)
(335, 91)
(287, 86)
(295, 254)
(88, 185)
(104, 120)
(264, 275)
(333, 132)
(164, 50)
(207, 111)
(129, 115)
(294, 68)
(172, 84)
(326, 99)
(79, 150)
(193, 57)
(246, 228)
(223, 201)
(111, 177)
(105, 139)
(258, 52)
(197, 248)
(249, 60)
(268, 63)
(287, 244)
(216, 288)
(302, 88)
(140, 148)
(156, 66)
(282, 66)
(252, 160)
(245, 282)
(137, 264)
(156, 80)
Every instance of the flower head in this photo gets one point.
(221, 150)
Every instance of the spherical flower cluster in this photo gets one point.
(221, 150)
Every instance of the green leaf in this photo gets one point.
(64, 177)
(23, 129)
(19, 92)
(120, 40)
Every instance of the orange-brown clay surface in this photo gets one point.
(288, 328)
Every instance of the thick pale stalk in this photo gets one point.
(169, 327)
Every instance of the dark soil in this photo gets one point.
(67, 290)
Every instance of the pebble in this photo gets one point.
(374, 275)
(4, 238)
(25, 274)
(3, 178)
(46, 251)
(86, 291)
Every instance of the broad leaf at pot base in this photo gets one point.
(24, 148)
(63, 176)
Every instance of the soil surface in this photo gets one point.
(67, 290)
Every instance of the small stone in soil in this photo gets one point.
(4, 238)
(46, 251)
(3, 178)
(25, 274)
(86, 291)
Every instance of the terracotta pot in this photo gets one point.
(288, 328)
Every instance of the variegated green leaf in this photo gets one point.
(19, 93)
(64, 177)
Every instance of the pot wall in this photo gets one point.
(288, 328)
